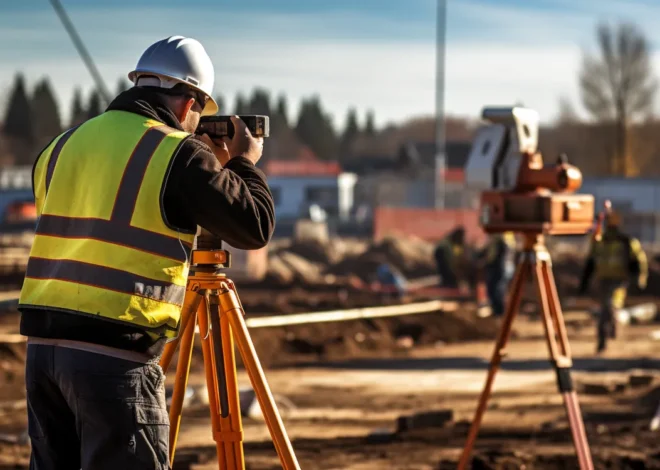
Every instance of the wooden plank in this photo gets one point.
(8, 338)
(344, 315)
(10, 295)
(354, 314)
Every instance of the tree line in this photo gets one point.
(32, 118)
(617, 89)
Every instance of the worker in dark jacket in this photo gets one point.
(498, 259)
(119, 200)
(450, 258)
(616, 260)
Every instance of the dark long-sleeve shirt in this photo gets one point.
(234, 203)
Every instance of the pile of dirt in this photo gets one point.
(12, 365)
(309, 262)
(379, 337)
(319, 251)
(288, 268)
(303, 262)
(413, 257)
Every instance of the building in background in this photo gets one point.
(15, 187)
(310, 189)
(406, 180)
(636, 199)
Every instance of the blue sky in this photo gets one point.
(371, 54)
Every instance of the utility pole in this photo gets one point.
(440, 156)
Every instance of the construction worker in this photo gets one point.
(391, 281)
(615, 259)
(450, 258)
(498, 260)
(119, 200)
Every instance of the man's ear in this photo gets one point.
(185, 109)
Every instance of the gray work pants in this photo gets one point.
(94, 412)
(612, 298)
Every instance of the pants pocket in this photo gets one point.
(152, 436)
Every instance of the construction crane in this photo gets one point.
(82, 50)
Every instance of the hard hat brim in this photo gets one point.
(211, 106)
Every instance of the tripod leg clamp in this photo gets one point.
(564, 381)
(228, 436)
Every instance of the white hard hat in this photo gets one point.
(179, 60)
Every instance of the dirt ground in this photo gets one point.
(342, 386)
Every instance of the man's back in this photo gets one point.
(233, 202)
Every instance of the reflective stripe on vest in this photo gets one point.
(101, 245)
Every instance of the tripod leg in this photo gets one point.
(230, 431)
(211, 380)
(232, 310)
(511, 310)
(190, 305)
(181, 381)
(557, 339)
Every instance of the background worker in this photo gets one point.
(615, 259)
(391, 281)
(451, 259)
(119, 199)
(498, 259)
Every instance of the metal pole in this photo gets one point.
(80, 46)
(440, 157)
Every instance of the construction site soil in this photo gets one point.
(337, 408)
(345, 380)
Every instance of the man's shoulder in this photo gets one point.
(191, 146)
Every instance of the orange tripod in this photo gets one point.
(538, 265)
(212, 303)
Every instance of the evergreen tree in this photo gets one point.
(18, 123)
(282, 111)
(240, 107)
(222, 106)
(370, 126)
(94, 105)
(260, 102)
(315, 129)
(78, 114)
(122, 86)
(351, 131)
(45, 110)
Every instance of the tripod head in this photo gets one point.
(208, 252)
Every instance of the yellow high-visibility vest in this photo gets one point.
(508, 238)
(102, 245)
(611, 257)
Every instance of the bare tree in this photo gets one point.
(567, 114)
(619, 86)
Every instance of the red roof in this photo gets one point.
(302, 168)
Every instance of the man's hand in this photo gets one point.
(244, 144)
(219, 149)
